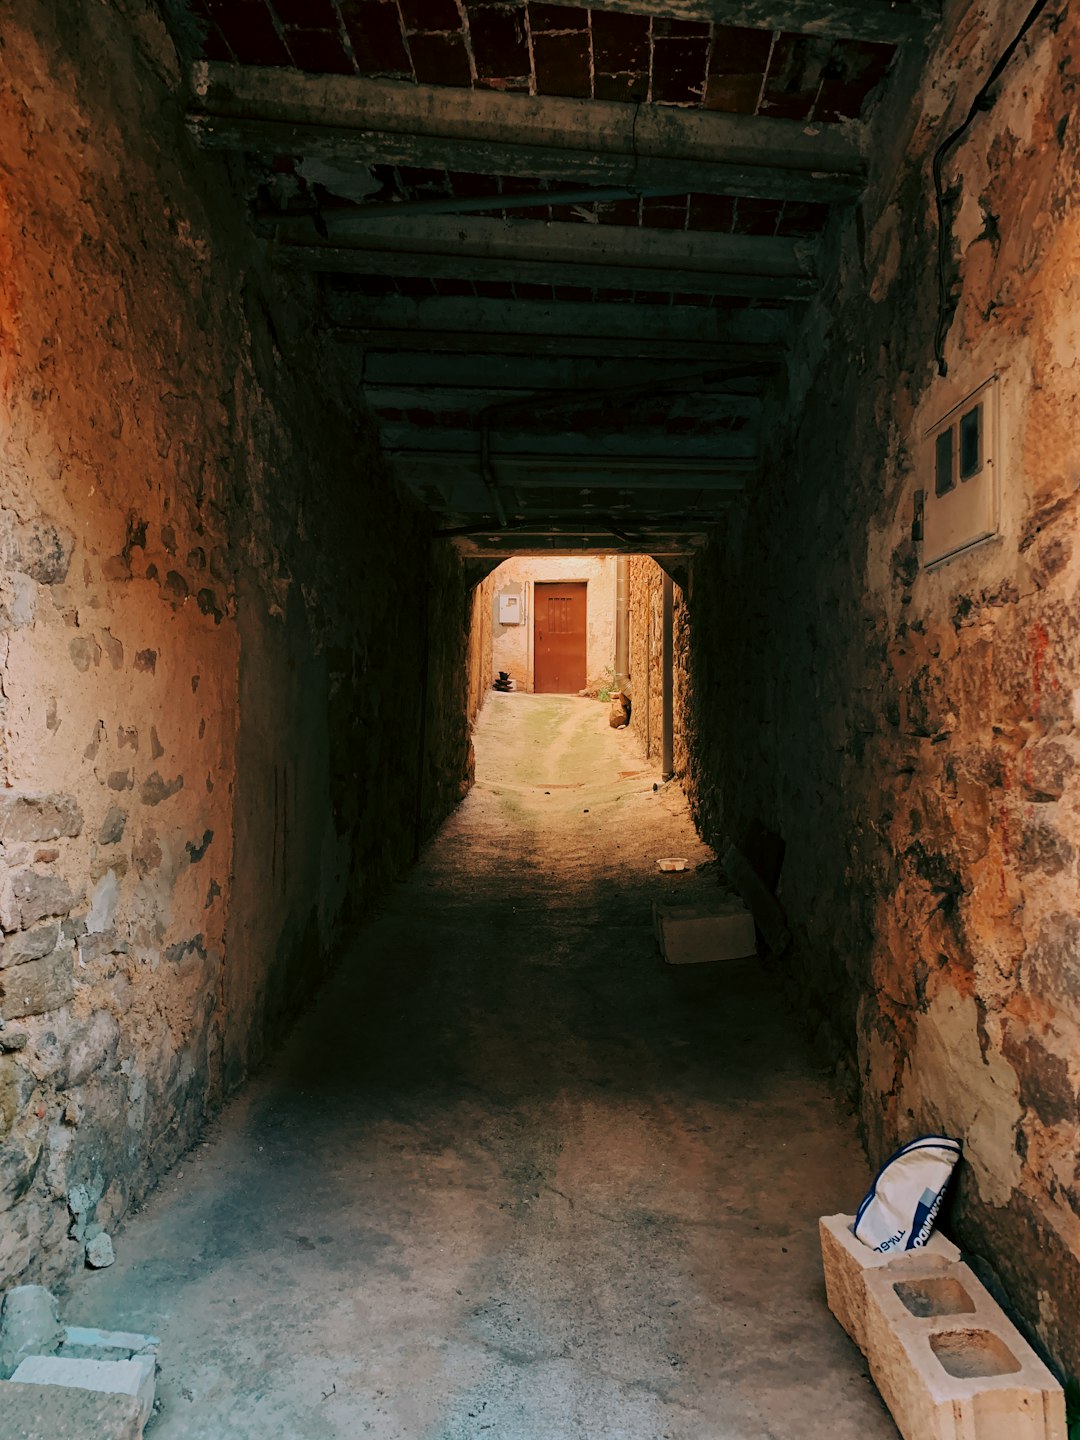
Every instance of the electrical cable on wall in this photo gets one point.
(983, 101)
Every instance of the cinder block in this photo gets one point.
(847, 1263)
(950, 1364)
(698, 934)
(56, 1412)
(110, 1377)
(81, 1343)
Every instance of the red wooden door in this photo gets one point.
(559, 651)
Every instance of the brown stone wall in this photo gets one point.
(912, 733)
(646, 661)
(481, 611)
(213, 605)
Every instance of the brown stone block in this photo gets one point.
(37, 987)
(35, 896)
(26, 816)
(64, 1412)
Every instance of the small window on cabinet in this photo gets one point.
(971, 442)
(961, 506)
(944, 479)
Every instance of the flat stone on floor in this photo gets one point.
(58, 1412)
(82, 1343)
(109, 1377)
(698, 934)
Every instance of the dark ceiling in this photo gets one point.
(561, 246)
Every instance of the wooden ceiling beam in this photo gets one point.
(527, 252)
(353, 122)
(504, 326)
(878, 20)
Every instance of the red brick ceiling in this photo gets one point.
(545, 49)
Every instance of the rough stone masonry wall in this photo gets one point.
(913, 734)
(646, 605)
(210, 639)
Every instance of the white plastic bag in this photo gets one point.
(900, 1209)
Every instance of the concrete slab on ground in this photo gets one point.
(55, 1412)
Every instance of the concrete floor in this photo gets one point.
(510, 1177)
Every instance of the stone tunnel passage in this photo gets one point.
(302, 332)
(507, 1177)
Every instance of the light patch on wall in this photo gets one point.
(948, 1086)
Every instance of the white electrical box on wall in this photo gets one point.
(510, 607)
(962, 476)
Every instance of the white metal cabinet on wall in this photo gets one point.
(961, 466)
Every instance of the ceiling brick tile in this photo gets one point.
(499, 43)
(562, 65)
(794, 76)
(431, 14)
(440, 59)
(737, 69)
(320, 52)
(620, 42)
(557, 17)
(712, 212)
(678, 74)
(248, 28)
(307, 14)
(374, 28)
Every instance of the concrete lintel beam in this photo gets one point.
(350, 122)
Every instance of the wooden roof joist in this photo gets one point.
(718, 445)
(380, 371)
(352, 122)
(522, 252)
(456, 325)
(589, 540)
(880, 20)
(578, 471)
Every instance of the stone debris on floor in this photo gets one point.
(70, 1382)
(704, 934)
